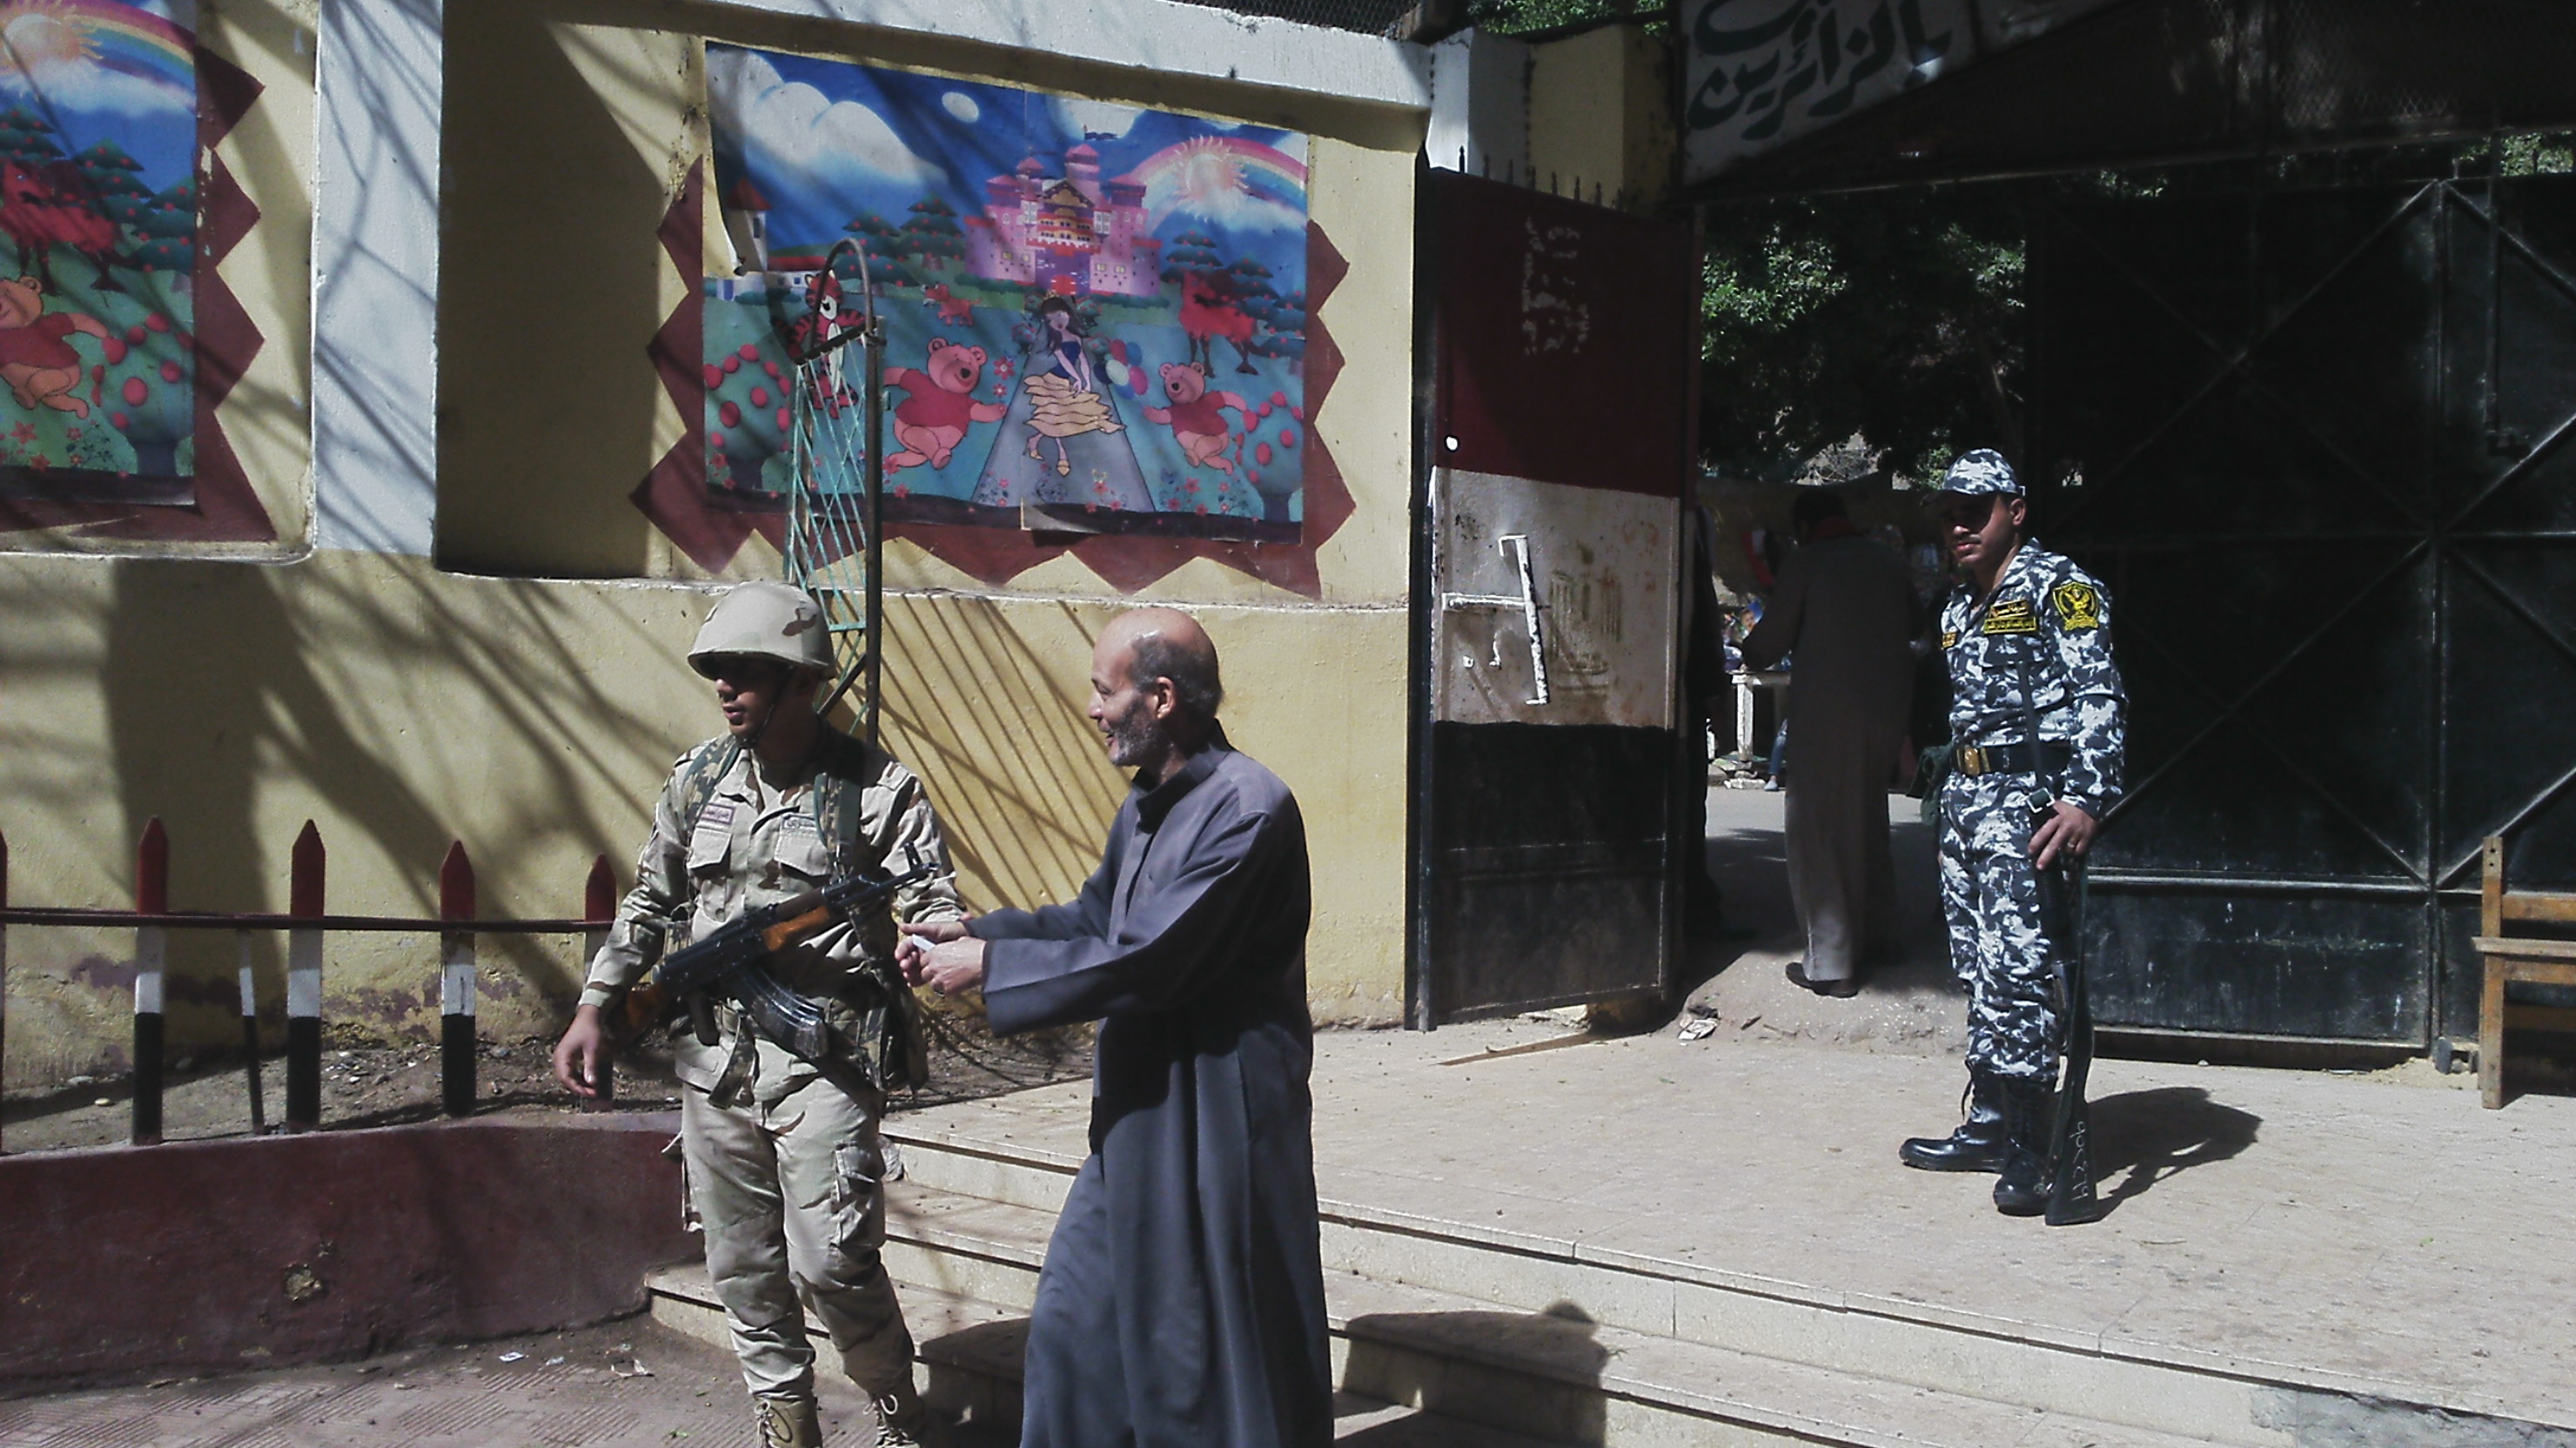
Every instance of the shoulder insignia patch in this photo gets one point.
(1949, 638)
(2079, 606)
(2011, 616)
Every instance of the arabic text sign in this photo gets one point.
(1764, 72)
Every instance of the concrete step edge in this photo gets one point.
(2072, 1379)
(1048, 1173)
(1411, 1366)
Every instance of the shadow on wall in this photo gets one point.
(1017, 772)
(552, 286)
(398, 714)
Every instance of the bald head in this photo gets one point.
(1145, 644)
(1154, 688)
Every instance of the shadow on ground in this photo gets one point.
(2151, 1135)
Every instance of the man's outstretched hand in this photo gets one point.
(941, 955)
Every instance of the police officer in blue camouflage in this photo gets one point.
(2036, 724)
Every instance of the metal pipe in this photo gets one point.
(2106, 881)
(875, 390)
(79, 915)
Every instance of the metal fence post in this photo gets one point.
(599, 902)
(456, 982)
(151, 954)
(250, 1033)
(304, 983)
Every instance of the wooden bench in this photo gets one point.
(2518, 958)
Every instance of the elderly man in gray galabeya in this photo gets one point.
(1182, 1302)
(1845, 605)
(782, 1157)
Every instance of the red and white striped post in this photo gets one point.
(151, 955)
(456, 982)
(598, 902)
(304, 897)
(250, 1033)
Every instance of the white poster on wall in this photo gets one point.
(1557, 603)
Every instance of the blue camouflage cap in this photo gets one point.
(1981, 472)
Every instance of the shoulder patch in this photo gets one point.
(1949, 638)
(2011, 616)
(2078, 605)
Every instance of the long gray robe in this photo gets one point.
(1846, 607)
(1182, 1302)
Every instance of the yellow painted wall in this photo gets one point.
(401, 703)
(1600, 114)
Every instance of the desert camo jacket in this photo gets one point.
(2047, 629)
(756, 843)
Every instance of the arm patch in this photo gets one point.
(2078, 605)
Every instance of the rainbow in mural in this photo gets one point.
(1089, 307)
(98, 224)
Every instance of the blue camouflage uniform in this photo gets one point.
(2039, 645)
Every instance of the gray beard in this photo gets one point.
(1133, 741)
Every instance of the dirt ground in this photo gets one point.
(617, 1385)
(376, 1082)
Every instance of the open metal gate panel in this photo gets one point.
(2322, 446)
(1548, 611)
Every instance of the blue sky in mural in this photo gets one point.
(827, 142)
(106, 70)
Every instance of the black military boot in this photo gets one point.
(1978, 1144)
(2029, 1114)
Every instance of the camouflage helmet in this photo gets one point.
(1981, 472)
(765, 621)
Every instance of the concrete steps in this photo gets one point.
(1484, 1338)
(1673, 1351)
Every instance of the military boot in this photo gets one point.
(2029, 1114)
(1977, 1145)
(787, 1423)
(904, 1421)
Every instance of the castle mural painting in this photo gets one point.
(98, 223)
(1093, 312)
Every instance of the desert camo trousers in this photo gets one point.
(791, 1198)
(1990, 897)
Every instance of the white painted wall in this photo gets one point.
(1480, 100)
(379, 73)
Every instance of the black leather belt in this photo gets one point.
(2018, 757)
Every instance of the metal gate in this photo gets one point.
(2319, 445)
(1547, 605)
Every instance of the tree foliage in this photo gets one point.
(1895, 316)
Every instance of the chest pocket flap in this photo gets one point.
(799, 850)
(711, 841)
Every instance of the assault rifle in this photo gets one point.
(728, 963)
(2071, 1196)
